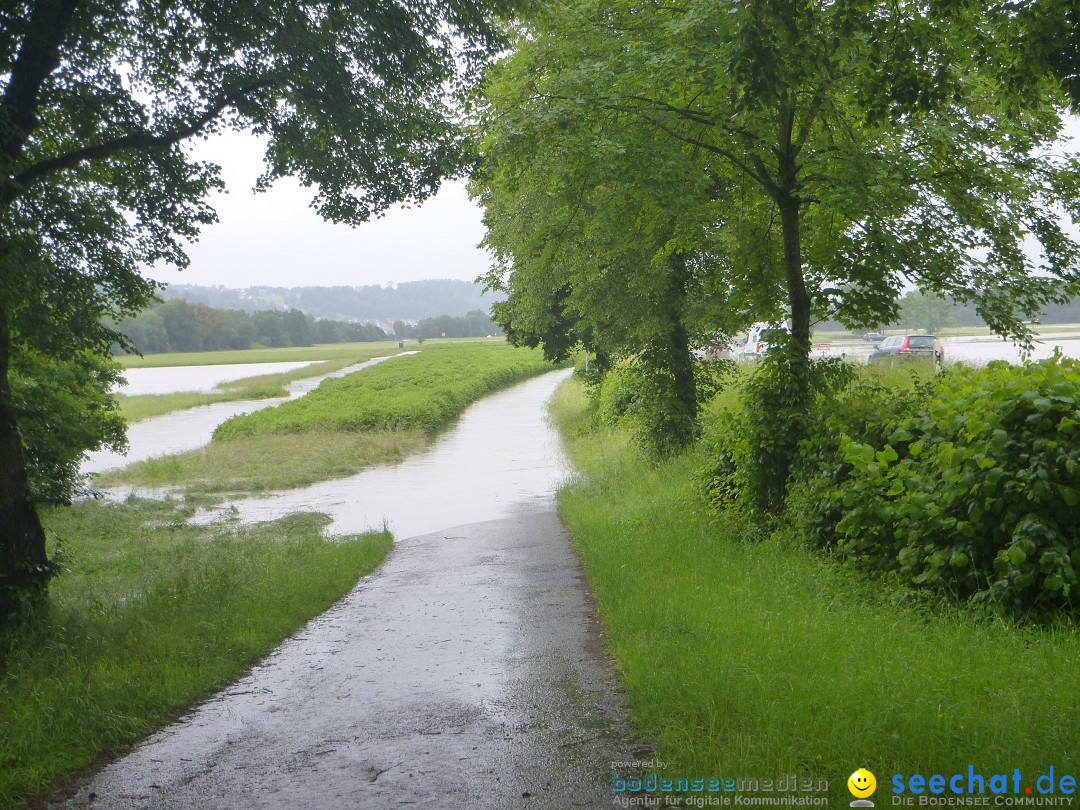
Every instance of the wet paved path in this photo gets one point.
(466, 672)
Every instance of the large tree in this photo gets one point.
(852, 146)
(99, 100)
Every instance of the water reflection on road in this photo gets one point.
(500, 456)
(192, 428)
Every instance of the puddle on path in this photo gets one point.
(500, 456)
(192, 428)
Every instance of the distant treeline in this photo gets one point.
(181, 326)
(474, 324)
(957, 314)
(409, 301)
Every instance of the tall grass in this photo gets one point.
(423, 391)
(744, 659)
(151, 615)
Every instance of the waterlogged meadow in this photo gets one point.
(325, 359)
(379, 415)
(425, 391)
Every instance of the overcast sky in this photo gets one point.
(275, 239)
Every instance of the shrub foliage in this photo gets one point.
(968, 483)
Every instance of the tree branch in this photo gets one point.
(136, 140)
(761, 177)
(38, 56)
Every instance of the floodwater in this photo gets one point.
(189, 429)
(500, 457)
(202, 379)
(979, 351)
(466, 671)
(971, 350)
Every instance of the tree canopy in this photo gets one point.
(98, 103)
(808, 159)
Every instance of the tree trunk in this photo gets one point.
(798, 298)
(24, 568)
(793, 386)
(673, 415)
(680, 364)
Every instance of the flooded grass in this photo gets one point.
(151, 615)
(265, 386)
(376, 416)
(262, 463)
(760, 659)
(325, 351)
(425, 390)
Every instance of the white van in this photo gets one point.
(757, 340)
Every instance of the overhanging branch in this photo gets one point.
(135, 140)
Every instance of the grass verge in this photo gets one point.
(153, 615)
(761, 659)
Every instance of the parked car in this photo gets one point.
(757, 340)
(907, 347)
(873, 337)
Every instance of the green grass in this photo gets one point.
(758, 659)
(325, 351)
(277, 461)
(425, 391)
(153, 615)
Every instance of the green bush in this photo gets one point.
(750, 450)
(862, 411)
(647, 398)
(973, 492)
(613, 395)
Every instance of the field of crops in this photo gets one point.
(424, 391)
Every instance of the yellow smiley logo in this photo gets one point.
(862, 784)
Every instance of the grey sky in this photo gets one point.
(277, 240)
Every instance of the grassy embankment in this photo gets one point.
(152, 615)
(325, 359)
(378, 415)
(759, 659)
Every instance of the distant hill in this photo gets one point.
(408, 301)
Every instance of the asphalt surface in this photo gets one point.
(466, 672)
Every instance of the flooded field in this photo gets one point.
(188, 429)
(203, 379)
(500, 457)
(971, 350)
